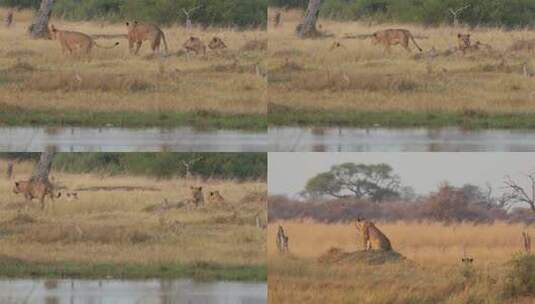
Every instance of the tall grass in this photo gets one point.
(107, 226)
(36, 76)
(361, 77)
(433, 273)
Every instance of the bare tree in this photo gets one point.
(520, 194)
(43, 167)
(307, 28)
(39, 27)
(456, 14)
(188, 164)
(188, 16)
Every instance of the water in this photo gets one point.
(29, 139)
(400, 140)
(130, 292)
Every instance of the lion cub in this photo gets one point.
(372, 237)
(217, 44)
(214, 197)
(195, 44)
(197, 196)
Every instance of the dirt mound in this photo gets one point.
(372, 257)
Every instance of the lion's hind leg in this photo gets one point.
(156, 44)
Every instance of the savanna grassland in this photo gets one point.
(39, 85)
(359, 84)
(431, 273)
(116, 229)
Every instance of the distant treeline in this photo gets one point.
(241, 13)
(507, 13)
(244, 166)
(448, 205)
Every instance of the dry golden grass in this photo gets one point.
(111, 226)
(360, 76)
(37, 76)
(433, 273)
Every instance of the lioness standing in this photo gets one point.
(35, 189)
(372, 237)
(391, 37)
(71, 41)
(139, 32)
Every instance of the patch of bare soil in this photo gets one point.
(371, 257)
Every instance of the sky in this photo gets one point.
(289, 172)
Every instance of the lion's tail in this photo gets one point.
(416, 44)
(106, 47)
(165, 43)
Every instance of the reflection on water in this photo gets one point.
(399, 140)
(29, 139)
(129, 292)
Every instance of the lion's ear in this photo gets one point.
(17, 184)
(127, 23)
(135, 22)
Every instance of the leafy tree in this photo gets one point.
(374, 182)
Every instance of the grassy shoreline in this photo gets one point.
(12, 117)
(399, 119)
(17, 268)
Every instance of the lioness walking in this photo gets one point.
(35, 189)
(391, 37)
(139, 32)
(372, 237)
(70, 41)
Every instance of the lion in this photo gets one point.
(217, 44)
(195, 44)
(35, 189)
(71, 196)
(391, 37)
(139, 32)
(75, 40)
(464, 42)
(214, 197)
(372, 237)
(197, 196)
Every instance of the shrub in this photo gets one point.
(521, 278)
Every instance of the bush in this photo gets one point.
(161, 165)
(241, 13)
(521, 278)
(507, 13)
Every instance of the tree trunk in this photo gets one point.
(42, 169)
(307, 28)
(39, 27)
